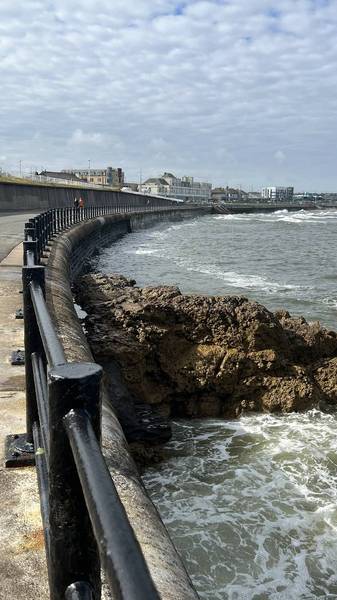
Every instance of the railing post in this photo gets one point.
(54, 220)
(29, 230)
(74, 554)
(32, 342)
(44, 231)
(29, 242)
(46, 228)
(38, 234)
(50, 223)
(33, 246)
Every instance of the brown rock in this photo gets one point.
(326, 378)
(193, 355)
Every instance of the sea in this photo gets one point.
(250, 504)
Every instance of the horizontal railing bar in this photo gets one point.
(42, 478)
(41, 398)
(120, 553)
(51, 344)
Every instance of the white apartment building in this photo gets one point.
(173, 187)
(278, 194)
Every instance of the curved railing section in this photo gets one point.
(85, 525)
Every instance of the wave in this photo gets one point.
(286, 216)
(241, 280)
(141, 251)
(251, 505)
(242, 217)
(330, 301)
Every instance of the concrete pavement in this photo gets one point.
(11, 230)
(22, 560)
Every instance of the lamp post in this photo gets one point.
(89, 171)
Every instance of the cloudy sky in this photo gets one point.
(238, 92)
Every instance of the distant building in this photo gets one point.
(157, 186)
(254, 196)
(60, 175)
(278, 194)
(228, 194)
(134, 187)
(184, 188)
(108, 176)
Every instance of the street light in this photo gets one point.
(89, 171)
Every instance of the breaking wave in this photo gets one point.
(252, 505)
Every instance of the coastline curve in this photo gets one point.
(69, 255)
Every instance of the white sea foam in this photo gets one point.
(241, 280)
(141, 251)
(330, 301)
(283, 216)
(252, 505)
(238, 217)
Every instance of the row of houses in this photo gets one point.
(109, 176)
(185, 188)
(271, 194)
(168, 185)
(189, 190)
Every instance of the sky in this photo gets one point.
(235, 92)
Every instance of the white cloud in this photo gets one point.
(280, 156)
(213, 87)
(81, 137)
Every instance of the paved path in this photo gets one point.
(22, 561)
(11, 230)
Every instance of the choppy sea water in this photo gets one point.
(251, 504)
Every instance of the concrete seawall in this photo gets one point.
(68, 257)
(39, 198)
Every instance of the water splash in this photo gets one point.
(252, 505)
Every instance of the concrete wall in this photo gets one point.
(17, 197)
(68, 256)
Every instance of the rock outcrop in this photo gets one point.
(197, 356)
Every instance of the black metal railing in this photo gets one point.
(85, 525)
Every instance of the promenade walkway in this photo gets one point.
(22, 561)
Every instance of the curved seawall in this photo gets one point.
(68, 258)
(39, 198)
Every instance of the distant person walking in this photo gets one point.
(81, 202)
(76, 202)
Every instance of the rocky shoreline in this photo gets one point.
(167, 354)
